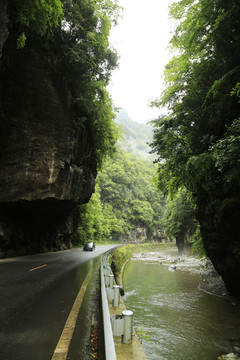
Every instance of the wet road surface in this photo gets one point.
(36, 296)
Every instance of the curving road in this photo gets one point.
(36, 296)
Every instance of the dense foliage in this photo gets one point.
(200, 93)
(38, 17)
(125, 199)
(87, 61)
(197, 142)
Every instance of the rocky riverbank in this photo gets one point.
(211, 281)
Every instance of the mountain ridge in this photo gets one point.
(136, 136)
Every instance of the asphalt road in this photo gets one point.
(36, 296)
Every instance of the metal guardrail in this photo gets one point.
(110, 353)
(117, 321)
(118, 324)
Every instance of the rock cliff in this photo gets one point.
(46, 164)
(221, 237)
(3, 24)
(140, 235)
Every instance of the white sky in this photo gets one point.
(141, 39)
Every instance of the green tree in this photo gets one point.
(96, 221)
(86, 60)
(198, 137)
(142, 212)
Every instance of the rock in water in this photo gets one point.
(230, 356)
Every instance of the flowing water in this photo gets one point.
(182, 322)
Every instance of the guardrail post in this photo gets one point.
(111, 280)
(116, 295)
(107, 281)
(127, 326)
(117, 325)
(109, 293)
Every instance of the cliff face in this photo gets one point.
(140, 235)
(221, 237)
(46, 164)
(3, 24)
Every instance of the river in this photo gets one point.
(182, 321)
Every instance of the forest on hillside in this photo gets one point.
(126, 206)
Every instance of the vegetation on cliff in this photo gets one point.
(75, 37)
(37, 18)
(197, 142)
(87, 60)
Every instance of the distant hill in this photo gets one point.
(136, 135)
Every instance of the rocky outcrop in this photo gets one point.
(139, 234)
(184, 241)
(230, 356)
(221, 236)
(46, 164)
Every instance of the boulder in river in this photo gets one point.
(230, 356)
